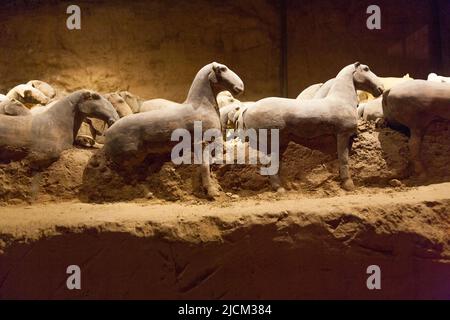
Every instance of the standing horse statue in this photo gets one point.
(300, 120)
(43, 136)
(415, 104)
(135, 137)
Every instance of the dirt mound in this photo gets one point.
(61, 180)
(378, 156)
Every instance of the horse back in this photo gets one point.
(15, 129)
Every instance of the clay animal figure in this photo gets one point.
(371, 110)
(39, 108)
(43, 87)
(309, 92)
(433, 77)
(415, 104)
(88, 134)
(28, 95)
(227, 114)
(324, 89)
(388, 82)
(334, 115)
(225, 98)
(238, 119)
(157, 104)
(133, 138)
(133, 101)
(93, 130)
(42, 137)
(13, 108)
(119, 103)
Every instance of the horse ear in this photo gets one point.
(215, 67)
(27, 94)
(86, 95)
(357, 64)
(95, 96)
(213, 74)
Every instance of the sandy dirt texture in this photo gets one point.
(378, 162)
(286, 249)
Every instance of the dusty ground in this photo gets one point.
(309, 248)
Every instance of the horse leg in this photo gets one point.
(415, 146)
(205, 174)
(343, 142)
(274, 179)
(275, 182)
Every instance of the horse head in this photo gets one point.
(44, 87)
(222, 78)
(119, 103)
(366, 80)
(94, 105)
(134, 102)
(225, 98)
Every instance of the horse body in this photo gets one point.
(433, 77)
(28, 95)
(335, 114)
(415, 104)
(46, 134)
(371, 110)
(133, 101)
(131, 139)
(13, 108)
(157, 104)
(44, 87)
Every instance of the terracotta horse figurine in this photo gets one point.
(43, 136)
(138, 136)
(416, 104)
(300, 120)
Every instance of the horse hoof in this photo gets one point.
(212, 193)
(348, 185)
(281, 190)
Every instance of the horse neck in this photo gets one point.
(201, 94)
(65, 114)
(344, 87)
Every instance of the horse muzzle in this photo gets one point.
(379, 91)
(110, 122)
(237, 90)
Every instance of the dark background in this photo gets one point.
(154, 48)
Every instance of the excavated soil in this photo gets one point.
(286, 249)
(378, 162)
(169, 242)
